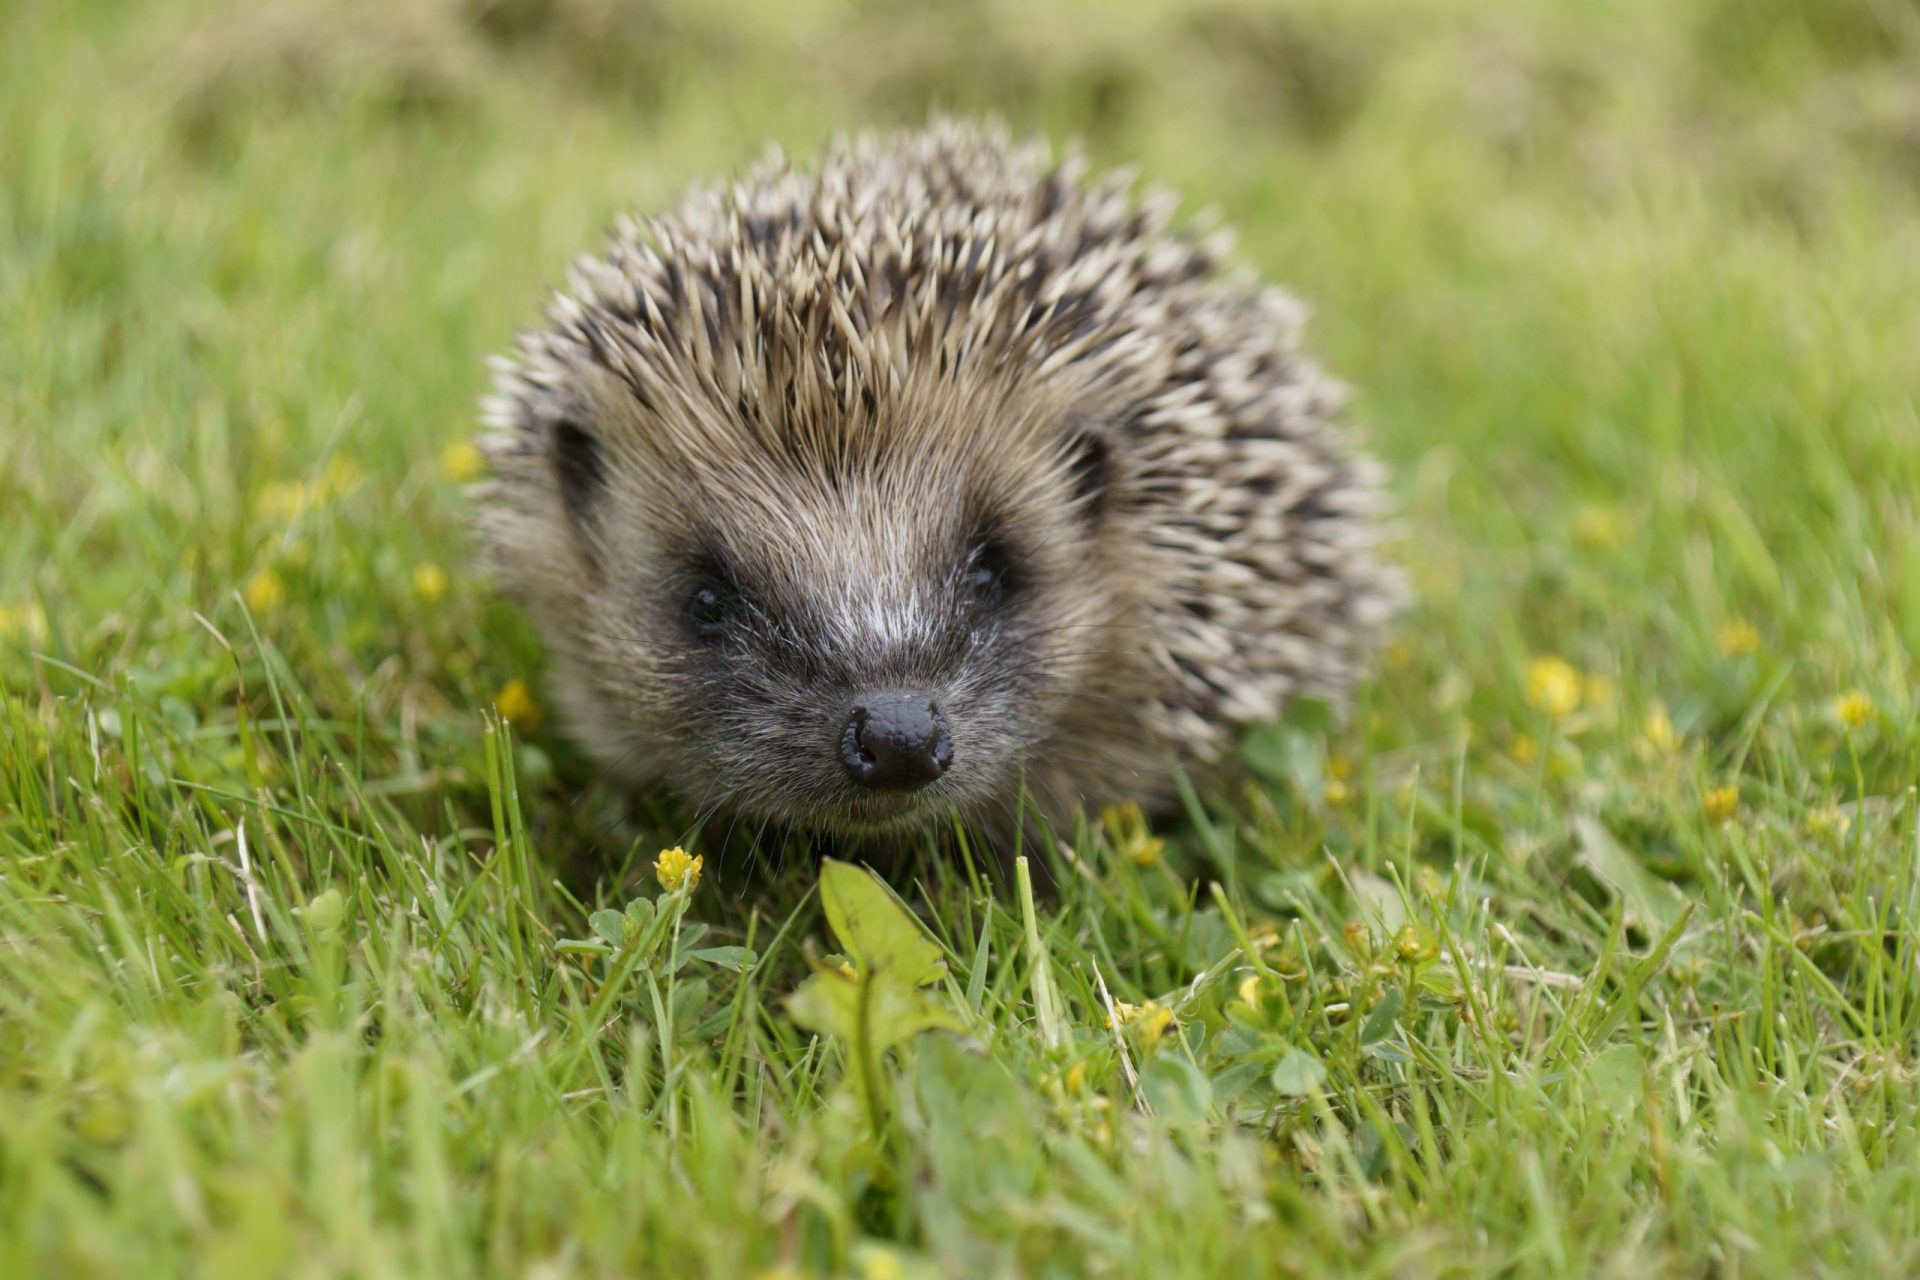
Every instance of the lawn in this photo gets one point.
(1588, 944)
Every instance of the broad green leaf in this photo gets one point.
(1299, 1074)
(689, 998)
(1379, 1024)
(881, 937)
(830, 1003)
(1614, 1078)
(1380, 900)
(1177, 1090)
(687, 943)
(610, 925)
(325, 912)
(735, 958)
(1652, 903)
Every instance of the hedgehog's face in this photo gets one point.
(870, 645)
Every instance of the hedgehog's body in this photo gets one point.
(848, 499)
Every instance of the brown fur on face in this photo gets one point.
(939, 417)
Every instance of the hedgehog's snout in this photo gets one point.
(896, 741)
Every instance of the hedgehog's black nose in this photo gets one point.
(896, 741)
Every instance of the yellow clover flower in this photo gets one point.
(1554, 685)
(1126, 828)
(430, 582)
(1853, 709)
(1147, 1022)
(1600, 527)
(462, 461)
(1738, 638)
(1659, 734)
(676, 871)
(25, 621)
(516, 704)
(265, 591)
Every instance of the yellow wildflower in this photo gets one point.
(877, 1262)
(1553, 685)
(281, 499)
(1738, 638)
(1523, 749)
(1148, 1022)
(1719, 803)
(1659, 733)
(24, 621)
(430, 582)
(287, 499)
(1829, 821)
(516, 703)
(265, 592)
(1126, 828)
(1600, 526)
(462, 461)
(676, 871)
(1853, 709)
(1411, 945)
(1076, 1077)
(1250, 990)
(340, 477)
(1337, 793)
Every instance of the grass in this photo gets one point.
(1587, 947)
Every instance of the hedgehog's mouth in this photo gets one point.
(887, 813)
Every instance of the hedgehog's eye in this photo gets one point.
(711, 607)
(986, 578)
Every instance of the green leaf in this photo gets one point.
(689, 998)
(1614, 1079)
(735, 958)
(881, 936)
(325, 912)
(1379, 1024)
(1177, 1090)
(686, 944)
(1652, 903)
(830, 1003)
(1299, 1074)
(1280, 753)
(639, 916)
(1310, 715)
(610, 925)
(827, 1004)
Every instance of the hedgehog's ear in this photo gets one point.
(577, 467)
(1089, 467)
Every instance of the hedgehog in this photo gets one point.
(886, 494)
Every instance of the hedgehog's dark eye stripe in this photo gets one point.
(579, 469)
